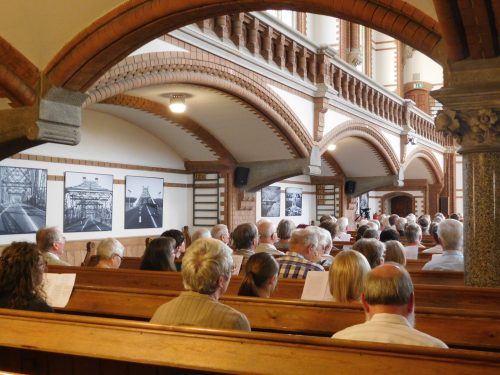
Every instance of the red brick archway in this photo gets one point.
(109, 39)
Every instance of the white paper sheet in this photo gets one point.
(316, 287)
(411, 252)
(58, 288)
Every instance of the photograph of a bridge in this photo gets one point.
(143, 202)
(23, 199)
(293, 202)
(270, 201)
(88, 202)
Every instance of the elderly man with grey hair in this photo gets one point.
(342, 234)
(389, 304)
(267, 238)
(206, 272)
(450, 233)
(200, 233)
(50, 241)
(372, 249)
(302, 254)
(110, 253)
(220, 232)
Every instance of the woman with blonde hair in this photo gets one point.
(21, 275)
(346, 276)
(395, 252)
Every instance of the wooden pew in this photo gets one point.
(460, 296)
(78, 345)
(458, 328)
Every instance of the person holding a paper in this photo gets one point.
(51, 243)
(21, 274)
(389, 304)
(450, 233)
(206, 272)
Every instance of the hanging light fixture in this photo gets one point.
(177, 103)
(332, 147)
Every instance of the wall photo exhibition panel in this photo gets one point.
(88, 202)
(270, 201)
(23, 199)
(143, 202)
(293, 202)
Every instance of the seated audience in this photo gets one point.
(159, 255)
(200, 233)
(51, 243)
(284, 232)
(245, 239)
(347, 275)
(372, 249)
(424, 223)
(361, 231)
(220, 232)
(267, 238)
(302, 254)
(324, 246)
(180, 243)
(389, 234)
(455, 216)
(437, 249)
(389, 303)
(206, 272)
(392, 220)
(109, 253)
(261, 276)
(384, 222)
(331, 227)
(400, 225)
(413, 235)
(327, 218)
(395, 252)
(371, 233)
(342, 234)
(374, 224)
(21, 274)
(450, 233)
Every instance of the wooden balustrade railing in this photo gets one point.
(291, 51)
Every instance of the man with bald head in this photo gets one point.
(389, 304)
(267, 238)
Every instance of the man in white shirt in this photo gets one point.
(450, 233)
(389, 303)
(267, 238)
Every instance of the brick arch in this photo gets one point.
(113, 36)
(262, 101)
(371, 136)
(184, 122)
(430, 161)
(18, 76)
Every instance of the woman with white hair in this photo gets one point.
(110, 253)
(206, 272)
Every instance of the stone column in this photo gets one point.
(471, 98)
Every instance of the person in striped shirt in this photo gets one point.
(302, 254)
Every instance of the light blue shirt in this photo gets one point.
(450, 260)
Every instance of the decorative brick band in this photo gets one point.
(430, 161)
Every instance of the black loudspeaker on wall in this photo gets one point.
(241, 176)
(350, 187)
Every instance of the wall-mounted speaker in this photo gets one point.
(241, 176)
(350, 187)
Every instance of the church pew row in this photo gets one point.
(458, 328)
(78, 345)
(430, 295)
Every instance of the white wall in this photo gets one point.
(109, 139)
(376, 204)
(384, 57)
(308, 201)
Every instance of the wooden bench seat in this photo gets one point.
(459, 328)
(78, 345)
(432, 295)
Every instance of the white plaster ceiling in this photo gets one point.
(358, 159)
(418, 169)
(241, 130)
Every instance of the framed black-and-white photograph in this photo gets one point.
(293, 202)
(23, 199)
(364, 208)
(270, 201)
(88, 202)
(143, 202)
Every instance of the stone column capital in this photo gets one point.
(476, 130)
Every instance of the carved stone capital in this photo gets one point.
(475, 130)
